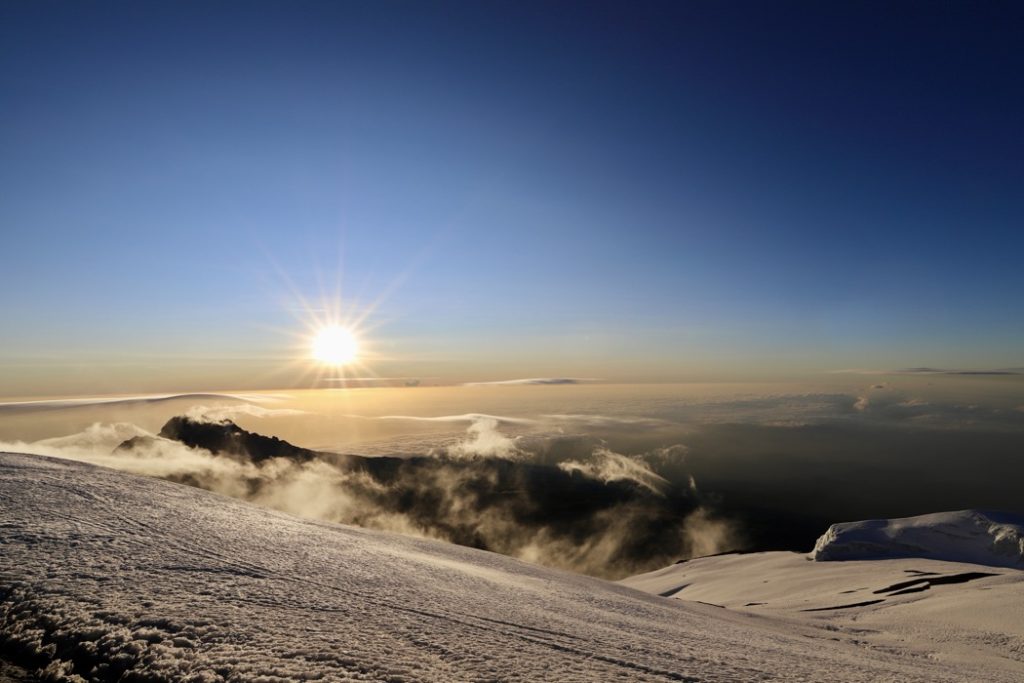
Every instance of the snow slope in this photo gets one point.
(107, 576)
(968, 617)
(989, 538)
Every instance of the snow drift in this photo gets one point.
(988, 538)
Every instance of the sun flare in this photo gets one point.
(335, 345)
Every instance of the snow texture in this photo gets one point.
(107, 576)
(988, 538)
(964, 618)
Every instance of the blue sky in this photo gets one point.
(652, 190)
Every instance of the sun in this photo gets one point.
(334, 345)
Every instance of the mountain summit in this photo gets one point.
(225, 437)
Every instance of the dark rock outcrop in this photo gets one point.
(224, 437)
(135, 443)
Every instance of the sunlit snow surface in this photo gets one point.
(103, 573)
(966, 618)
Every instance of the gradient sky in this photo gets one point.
(618, 190)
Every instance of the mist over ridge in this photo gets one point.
(655, 477)
(563, 501)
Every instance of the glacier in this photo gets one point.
(975, 536)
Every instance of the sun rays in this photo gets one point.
(331, 342)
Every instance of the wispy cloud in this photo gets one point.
(607, 466)
(87, 401)
(927, 371)
(591, 420)
(463, 418)
(369, 380)
(216, 413)
(547, 420)
(533, 380)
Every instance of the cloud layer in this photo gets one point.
(114, 401)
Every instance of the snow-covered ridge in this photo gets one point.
(106, 576)
(988, 538)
